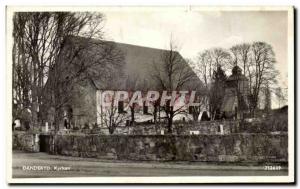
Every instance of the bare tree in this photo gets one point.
(83, 60)
(267, 94)
(201, 68)
(38, 40)
(204, 67)
(172, 75)
(241, 55)
(256, 60)
(111, 116)
(281, 96)
(221, 58)
(208, 63)
(132, 84)
(263, 70)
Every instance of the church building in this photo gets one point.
(132, 70)
(235, 103)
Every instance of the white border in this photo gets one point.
(181, 179)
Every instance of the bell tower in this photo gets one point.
(235, 102)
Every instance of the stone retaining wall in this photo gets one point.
(28, 142)
(220, 148)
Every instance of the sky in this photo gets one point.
(196, 30)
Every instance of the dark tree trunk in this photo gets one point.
(195, 116)
(111, 130)
(155, 113)
(56, 120)
(132, 114)
(170, 123)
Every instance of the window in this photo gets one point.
(145, 108)
(120, 107)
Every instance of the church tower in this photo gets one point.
(235, 103)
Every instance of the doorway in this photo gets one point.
(44, 143)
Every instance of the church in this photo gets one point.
(127, 68)
(235, 103)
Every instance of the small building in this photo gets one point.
(235, 103)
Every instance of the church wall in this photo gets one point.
(84, 105)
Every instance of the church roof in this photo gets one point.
(138, 64)
(236, 74)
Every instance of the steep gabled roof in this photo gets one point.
(137, 65)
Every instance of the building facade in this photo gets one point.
(132, 70)
(235, 103)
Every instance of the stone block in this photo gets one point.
(152, 144)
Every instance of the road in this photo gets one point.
(35, 165)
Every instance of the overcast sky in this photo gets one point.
(195, 31)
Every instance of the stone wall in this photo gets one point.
(206, 127)
(24, 141)
(220, 148)
(182, 128)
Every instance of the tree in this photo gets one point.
(242, 58)
(112, 118)
(204, 67)
(133, 83)
(208, 63)
(241, 55)
(221, 58)
(209, 60)
(217, 92)
(172, 75)
(267, 93)
(281, 96)
(202, 91)
(257, 61)
(38, 40)
(263, 70)
(82, 61)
